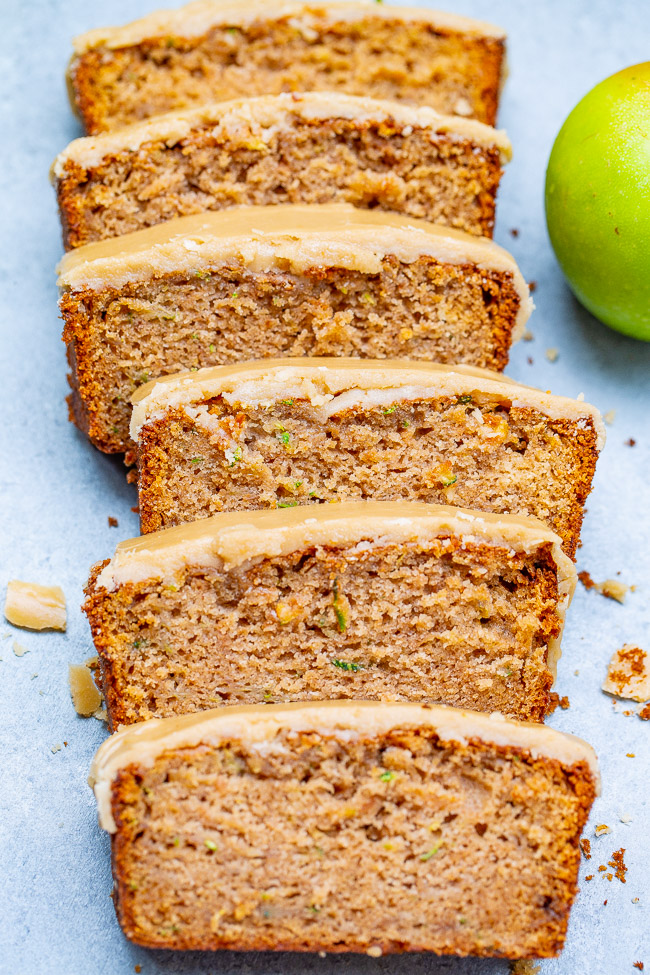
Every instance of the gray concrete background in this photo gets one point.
(57, 493)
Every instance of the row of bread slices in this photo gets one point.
(458, 600)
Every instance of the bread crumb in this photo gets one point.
(136, 509)
(524, 966)
(630, 755)
(639, 965)
(528, 336)
(625, 818)
(564, 702)
(631, 442)
(589, 876)
(585, 846)
(514, 232)
(552, 354)
(532, 286)
(85, 696)
(530, 360)
(628, 674)
(602, 830)
(55, 748)
(113, 522)
(35, 607)
(618, 864)
(374, 951)
(19, 649)
(644, 714)
(611, 588)
(609, 417)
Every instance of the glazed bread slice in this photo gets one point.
(210, 51)
(317, 147)
(286, 432)
(374, 600)
(254, 282)
(345, 826)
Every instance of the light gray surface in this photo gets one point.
(57, 492)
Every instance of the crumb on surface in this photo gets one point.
(113, 522)
(35, 607)
(639, 965)
(530, 360)
(564, 703)
(528, 336)
(55, 748)
(625, 818)
(610, 588)
(628, 674)
(644, 714)
(532, 286)
(631, 442)
(19, 649)
(585, 846)
(602, 830)
(617, 863)
(589, 876)
(83, 690)
(524, 966)
(552, 354)
(514, 232)
(609, 417)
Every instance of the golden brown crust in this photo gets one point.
(126, 794)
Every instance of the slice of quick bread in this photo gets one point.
(390, 601)
(254, 282)
(345, 826)
(317, 147)
(209, 51)
(284, 432)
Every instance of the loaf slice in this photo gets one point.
(287, 432)
(254, 282)
(319, 147)
(209, 51)
(345, 826)
(388, 601)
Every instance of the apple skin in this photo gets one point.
(598, 200)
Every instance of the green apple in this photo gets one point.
(598, 200)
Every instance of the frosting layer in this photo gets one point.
(334, 384)
(302, 235)
(261, 117)
(197, 18)
(258, 725)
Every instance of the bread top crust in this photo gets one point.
(195, 19)
(264, 115)
(335, 384)
(258, 725)
(297, 236)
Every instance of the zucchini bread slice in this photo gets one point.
(316, 147)
(345, 826)
(286, 432)
(254, 282)
(375, 600)
(209, 51)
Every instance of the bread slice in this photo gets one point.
(388, 601)
(254, 282)
(345, 826)
(209, 51)
(317, 147)
(286, 432)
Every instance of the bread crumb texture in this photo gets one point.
(447, 620)
(397, 842)
(199, 460)
(628, 674)
(35, 607)
(453, 71)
